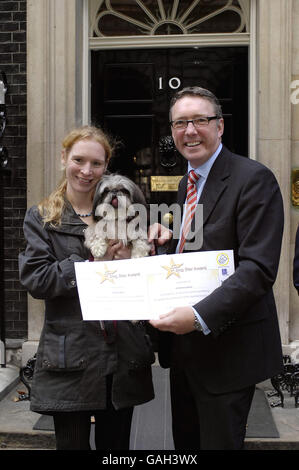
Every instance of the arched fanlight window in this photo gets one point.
(167, 17)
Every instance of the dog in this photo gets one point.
(120, 213)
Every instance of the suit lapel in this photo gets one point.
(215, 184)
(182, 193)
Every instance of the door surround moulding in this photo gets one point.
(51, 88)
(162, 41)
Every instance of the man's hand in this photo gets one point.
(158, 235)
(179, 320)
(123, 252)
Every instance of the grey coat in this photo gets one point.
(74, 356)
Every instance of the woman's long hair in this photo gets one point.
(51, 207)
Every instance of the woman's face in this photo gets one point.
(84, 166)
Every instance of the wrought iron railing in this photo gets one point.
(286, 382)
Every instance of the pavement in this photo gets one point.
(17, 421)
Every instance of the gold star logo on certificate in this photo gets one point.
(107, 275)
(172, 269)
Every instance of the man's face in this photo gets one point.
(197, 145)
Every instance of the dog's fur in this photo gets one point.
(116, 193)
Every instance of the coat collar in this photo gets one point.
(70, 222)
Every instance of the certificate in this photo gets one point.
(144, 288)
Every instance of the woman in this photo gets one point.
(82, 370)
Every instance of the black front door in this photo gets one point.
(130, 95)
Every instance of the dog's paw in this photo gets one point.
(98, 248)
(140, 248)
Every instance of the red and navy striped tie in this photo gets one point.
(190, 207)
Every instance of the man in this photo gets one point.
(296, 262)
(229, 341)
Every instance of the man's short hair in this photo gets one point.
(200, 92)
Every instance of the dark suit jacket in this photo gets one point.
(242, 211)
(296, 262)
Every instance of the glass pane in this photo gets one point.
(113, 26)
(131, 8)
(226, 22)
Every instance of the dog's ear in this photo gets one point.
(138, 196)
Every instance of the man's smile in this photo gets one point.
(193, 144)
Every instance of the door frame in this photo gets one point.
(175, 41)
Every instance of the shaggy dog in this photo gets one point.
(119, 211)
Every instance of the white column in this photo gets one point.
(274, 124)
(52, 78)
(294, 298)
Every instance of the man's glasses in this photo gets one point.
(197, 122)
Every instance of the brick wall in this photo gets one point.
(13, 63)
